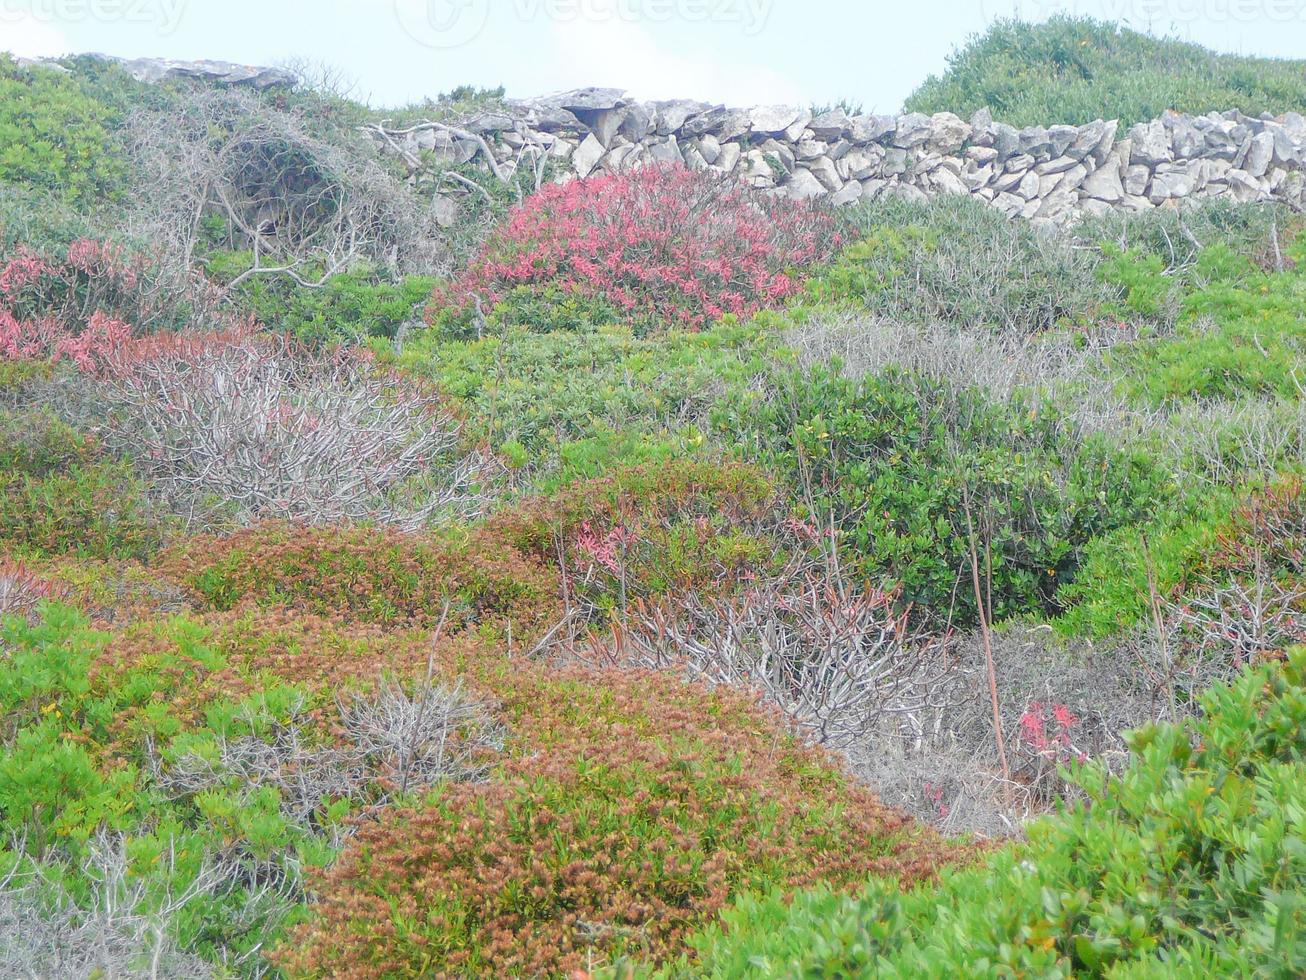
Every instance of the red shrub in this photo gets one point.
(21, 590)
(362, 575)
(663, 246)
(82, 305)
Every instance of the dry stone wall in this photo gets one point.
(1052, 173)
(1049, 173)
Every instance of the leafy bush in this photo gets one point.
(82, 305)
(1177, 235)
(55, 135)
(641, 531)
(585, 398)
(59, 494)
(223, 755)
(1237, 334)
(665, 248)
(1188, 864)
(1074, 70)
(912, 472)
(349, 307)
(961, 263)
(37, 443)
(636, 808)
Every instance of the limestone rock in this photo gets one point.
(587, 155)
(830, 126)
(803, 184)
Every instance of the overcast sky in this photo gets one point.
(734, 51)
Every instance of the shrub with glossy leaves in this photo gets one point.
(909, 468)
(660, 247)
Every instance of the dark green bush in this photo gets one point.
(1074, 70)
(900, 459)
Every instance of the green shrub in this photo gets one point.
(898, 459)
(55, 135)
(1111, 593)
(351, 307)
(962, 263)
(1074, 70)
(96, 510)
(618, 396)
(1190, 864)
(1238, 331)
(36, 443)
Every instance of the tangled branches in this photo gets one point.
(834, 657)
(302, 206)
(393, 742)
(274, 431)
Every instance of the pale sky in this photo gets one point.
(741, 52)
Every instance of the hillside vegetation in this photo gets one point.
(1074, 70)
(633, 577)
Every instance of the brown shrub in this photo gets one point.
(633, 806)
(357, 574)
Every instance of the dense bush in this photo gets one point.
(55, 135)
(81, 304)
(1074, 70)
(1237, 333)
(913, 472)
(584, 402)
(363, 575)
(349, 308)
(663, 248)
(637, 808)
(60, 493)
(1189, 864)
(641, 531)
(963, 264)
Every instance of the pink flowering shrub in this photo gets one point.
(656, 247)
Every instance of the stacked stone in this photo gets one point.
(1052, 173)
